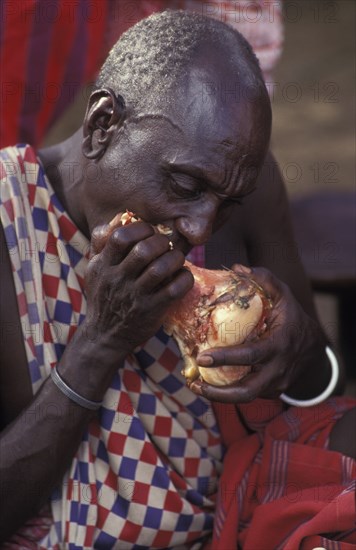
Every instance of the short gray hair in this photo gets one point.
(152, 56)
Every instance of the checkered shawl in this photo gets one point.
(146, 470)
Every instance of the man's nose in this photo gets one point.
(196, 230)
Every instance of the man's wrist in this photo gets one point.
(328, 390)
(73, 395)
(89, 364)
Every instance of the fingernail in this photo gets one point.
(242, 269)
(205, 360)
(196, 388)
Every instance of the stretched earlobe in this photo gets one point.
(105, 113)
(87, 149)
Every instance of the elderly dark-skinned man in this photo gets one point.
(97, 418)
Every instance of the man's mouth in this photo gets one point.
(164, 229)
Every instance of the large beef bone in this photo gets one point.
(223, 308)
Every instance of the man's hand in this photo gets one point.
(132, 279)
(292, 343)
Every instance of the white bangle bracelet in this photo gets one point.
(73, 395)
(328, 390)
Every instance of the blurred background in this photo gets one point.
(314, 96)
(308, 57)
(314, 141)
(312, 93)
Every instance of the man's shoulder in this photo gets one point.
(15, 388)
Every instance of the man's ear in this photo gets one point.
(105, 114)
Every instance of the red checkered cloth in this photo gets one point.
(146, 473)
(50, 50)
(147, 469)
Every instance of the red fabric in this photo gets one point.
(49, 51)
(31, 533)
(280, 487)
(60, 83)
(16, 29)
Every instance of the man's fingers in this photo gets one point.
(178, 287)
(161, 270)
(270, 284)
(123, 239)
(101, 233)
(239, 268)
(99, 237)
(244, 354)
(224, 394)
(254, 385)
(140, 257)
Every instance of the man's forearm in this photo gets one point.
(35, 451)
(37, 448)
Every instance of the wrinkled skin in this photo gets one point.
(142, 276)
(184, 166)
(179, 165)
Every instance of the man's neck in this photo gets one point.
(63, 164)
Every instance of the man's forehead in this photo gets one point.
(229, 75)
(185, 137)
(197, 137)
(218, 158)
(207, 111)
(210, 88)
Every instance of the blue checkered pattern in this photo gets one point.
(146, 468)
